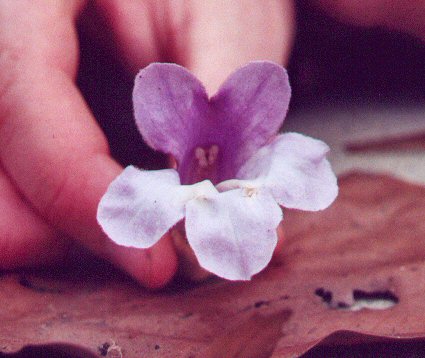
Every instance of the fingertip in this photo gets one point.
(153, 268)
(163, 263)
(227, 35)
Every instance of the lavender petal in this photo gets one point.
(170, 108)
(250, 107)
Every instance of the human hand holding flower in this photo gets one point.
(55, 164)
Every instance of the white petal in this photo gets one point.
(139, 207)
(233, 234)
(295, 169)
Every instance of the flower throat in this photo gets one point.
(204, 163)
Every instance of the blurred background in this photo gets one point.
(362, 90)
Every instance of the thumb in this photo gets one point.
(224, 35)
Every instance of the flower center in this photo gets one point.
(206, 156)
(205, 162)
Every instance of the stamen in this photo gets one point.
(206, 156)
(249, 191)
(213, 153)
(201, 155)
(205, 163)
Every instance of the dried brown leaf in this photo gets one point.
(369, 246)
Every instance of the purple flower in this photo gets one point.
(234, 171)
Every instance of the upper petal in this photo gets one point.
(294, 167)
(139, 207)
(170, 107)
(233, 234)
(251, 106)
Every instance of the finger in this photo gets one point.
(400, 15)
(211, 37)
(223, 35)
(53, 149)
(137, 40)
(25, 239)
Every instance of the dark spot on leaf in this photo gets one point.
(258, 304)
(157, 347)
(382, 299)
(103, 349)
(375, 295)
(342, 305)
(59, 350)
(324, 294)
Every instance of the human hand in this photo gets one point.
(55, 163)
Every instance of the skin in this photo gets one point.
(54, 159)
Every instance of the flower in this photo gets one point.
(234, 172)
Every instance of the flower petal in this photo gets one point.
(251, 106)
(294, 167)
(170, 107)
(139, 207)
(233, 234)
